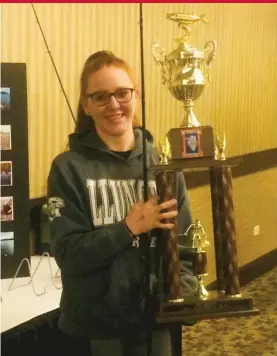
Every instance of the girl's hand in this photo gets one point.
(147, 216)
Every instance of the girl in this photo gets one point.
(100, 217)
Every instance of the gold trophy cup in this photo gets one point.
(186, 70)
(186, 73)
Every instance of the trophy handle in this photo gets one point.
(212, 46)
(159, 57)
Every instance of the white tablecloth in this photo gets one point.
(21, 304)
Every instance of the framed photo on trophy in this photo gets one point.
(191, 143)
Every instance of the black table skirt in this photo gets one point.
(41, 336)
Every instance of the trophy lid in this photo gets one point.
(192, 53)
(184, 51)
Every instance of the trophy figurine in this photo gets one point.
(197, 238)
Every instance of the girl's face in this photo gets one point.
(111, 118)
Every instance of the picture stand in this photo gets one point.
(46, 254)
(32, 275)
(30, 280)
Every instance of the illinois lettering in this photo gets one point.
(111, 200)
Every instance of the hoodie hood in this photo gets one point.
(91, 141)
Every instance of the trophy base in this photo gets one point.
(213, 306)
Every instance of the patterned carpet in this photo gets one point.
(245, 336)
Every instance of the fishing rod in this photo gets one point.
(148, 308)
(53, 63)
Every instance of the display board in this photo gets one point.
(15, 242)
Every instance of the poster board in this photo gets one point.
(15, 241)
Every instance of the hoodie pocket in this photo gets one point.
(124, 298)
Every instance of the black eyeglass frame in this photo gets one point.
(91, 96)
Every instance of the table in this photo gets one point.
(21, 304)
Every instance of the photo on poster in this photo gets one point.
(7, 243)
(5, 99)
(6, 208)
(5, 137)
(6, 173)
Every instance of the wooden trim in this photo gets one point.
(256, 162)
(251, 163)
(254, 269)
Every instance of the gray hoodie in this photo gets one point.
(90, 192)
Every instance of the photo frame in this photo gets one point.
(191, 143)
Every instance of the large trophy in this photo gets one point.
(192, 147)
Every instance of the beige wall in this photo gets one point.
(242, 100)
